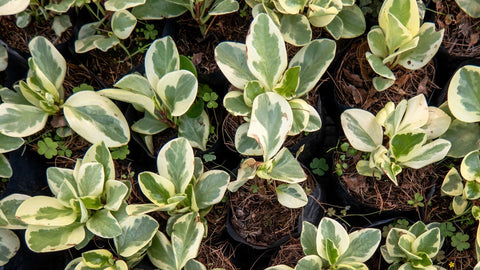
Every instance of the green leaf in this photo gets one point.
(472, 190)
(221, 7)
(91, 179)
(463, 93)
(231, 58)
(301, 116)
(331, 231)
(251, 91)
(291, 195)
(453, 183)
(161, 58)
(8, 208)
(427, 154)
(363, 243)
(104, 224)
(376, 42)
(286, 168)
(353, 21)
(379, 67)
(309, 262)
(137, 232)
(308, 238)
(97, 258)
(177, 90)
(96, 119)
(56, 176)
(158, 9)
(48, 239)
(195, 130)
(186, 238)
(149, 125)
(8, 143)
(234, 103)
(176, 163)
(210, 188)
(428, 243)
(270, 123)
(60, 24)
(266, 53)
(245, 145)
(115, 193)
(295, 29)
(470, 166)
(471, 7)
(400, 20)
(463, 136)
(156, 188)
(17, 120)
(335, 28)
(9, 244)
(5, 168)
(45, 211)
(117, 5)
(289, 83)
(361, 129)
(313, 60)
(161, 252)
(402, 145)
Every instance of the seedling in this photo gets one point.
(319, 166)
(417, 201)
(460, 241)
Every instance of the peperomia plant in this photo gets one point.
(413, 248)
(269, 127)
(181, 185)
(9, 242)
(340, 18)
(200, 10)
(471, 7)
(166, 94)
(97, 259)
(463, 104)
(259, 67)
(7, 144)
(88, 201)
(413, 129)
(330, 247)
(26, 109)
(399, 39)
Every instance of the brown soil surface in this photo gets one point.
(354, 81)
(289, 253)
(216, 255)
(462, 35)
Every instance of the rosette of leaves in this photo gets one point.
(116, 24)
(179, 251)
(9, 242)
(97, 259)
(413, 248)
(330, 247)
(399, 39)
(166, 94)
(26, 109)
(340, 18)
(269, 127)
(200, 10)
(464, 106)
(259, 68)
(471, 7)
(181, 185)
(87, 201)
(412, 128)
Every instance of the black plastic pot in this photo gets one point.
(17, 68)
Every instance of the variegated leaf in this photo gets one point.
(45, 211)
(83, 45)
(106, 43)
(195, 265)
(56, 176)
(463, 136)
(231, 58)
(251, 91)
(68, 194)
(428, 45)
(9, 244)
(463, 92)
(117, 5)
(100, 153)
(361, 129)
(404, 144)
(279, 267)
(96, 119)
(137, 99)
(210, 188)
(137, 232)
(470, 166)
(335, 27)
(156, 188)
(176, 163)
(313, 60)
(471, 7)
(90, 179)
(292, 6)
(115, 194)
(289, 82)
(353, 21)
(12, 7)
(376, 42)
(246, 172)
(329, 229)
(60, 24)
(3, 58)
(427, 243)
(309, 262)
(48, 239)
(453, 183)
(363, 243)
(308, 238)
(161, 58)
(177, 90)
(18, 120)
(245, 145)
(314, 120)
(8, 143)
(5, 168)
(437, 124)
(459, 205)
(321, 16)
(266, 53)
(97, 258)
(186, 238)
(140, 209)
(291, 195)
(161, 252)
(149, 125)
(416, 114)
(379, 67)
(8, 207)
(381, 83)
(135, 83)
(427, 154)
(60, 6)
(234, 103)
(157, 10)
(195, 130)
(286, 168)
(104, 224)
(221, 7)
(295, 29)
(271, 121)
(301, 116)
(123, 23)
